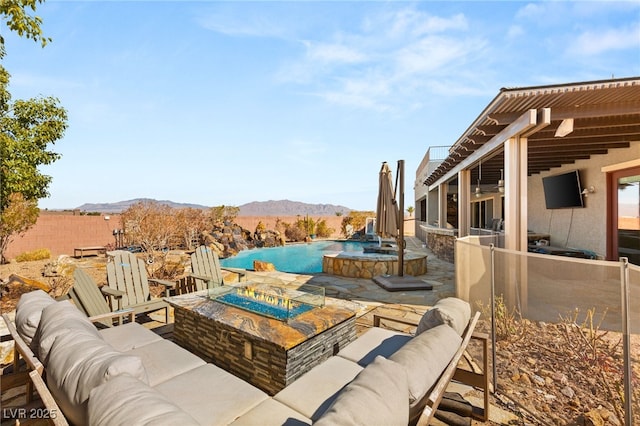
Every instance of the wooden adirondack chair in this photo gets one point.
(91, 300)
(205, 266)
(127, 273)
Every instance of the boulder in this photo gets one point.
(260, 266)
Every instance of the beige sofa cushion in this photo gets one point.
(376, 341)
(425, 357)
(316, 390)
(79, 362)
(452, 311)
(125, 400)
(211, 395)
(164, 359)
(57, 320)
(128, 336)
(28, 312)
(271, 412)
(377, 396)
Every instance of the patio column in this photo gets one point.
(515, 193)
(442, 205)
(464, 202)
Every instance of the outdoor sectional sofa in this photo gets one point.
(130, 375)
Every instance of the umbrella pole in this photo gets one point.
(400, 240)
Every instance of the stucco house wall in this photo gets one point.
(583, 228)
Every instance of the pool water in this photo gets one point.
(295, 258)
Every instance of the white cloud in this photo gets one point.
(515, 31)
(596, 42)
(333, 53)
(252, 26)
(435, 24)
(430, 54)
(532, 11)
(379, 64)
(410, 22)
(368, 92)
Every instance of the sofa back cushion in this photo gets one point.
(79, 362)
(378, 395)
(425, 357)
(28, 312)
(57, 320)
(125, 400)
(452, 311)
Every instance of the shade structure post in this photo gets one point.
(400, 238)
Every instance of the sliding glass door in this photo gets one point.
(624, 215)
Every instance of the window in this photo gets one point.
(481, 214)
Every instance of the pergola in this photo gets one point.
(525, 131)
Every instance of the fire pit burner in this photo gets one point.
(278, 302)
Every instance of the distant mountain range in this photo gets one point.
(255, 208)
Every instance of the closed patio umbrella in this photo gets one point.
(387, 209)
(390, 223)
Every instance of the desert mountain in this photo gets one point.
(120, 206)
(255, 208)
(290, 208)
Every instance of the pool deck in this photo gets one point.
(366, 298)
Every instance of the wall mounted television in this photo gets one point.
(563, 191)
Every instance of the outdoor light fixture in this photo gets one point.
(588, 190)
(564, 128)
(501, 181)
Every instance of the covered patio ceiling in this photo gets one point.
(605, 114)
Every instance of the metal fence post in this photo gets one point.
(626, 343)
(493, 316)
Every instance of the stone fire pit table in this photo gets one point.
(266, 352)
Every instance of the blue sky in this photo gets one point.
(225, 103)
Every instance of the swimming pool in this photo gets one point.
(295, 258)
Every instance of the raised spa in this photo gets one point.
(369, 265)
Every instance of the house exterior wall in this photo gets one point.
(583, 228)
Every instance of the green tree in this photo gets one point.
(357, 219)
(16, 219)
(221, 214)
(323, 230)
(27, 128)
(410, 210)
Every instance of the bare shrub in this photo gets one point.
(39, 254)
(599, 354)
(509, 323)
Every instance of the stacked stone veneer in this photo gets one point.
(361, 266)
(264, 364)
(442, 245)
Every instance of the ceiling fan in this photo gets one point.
(500, 186)
(478, 190)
